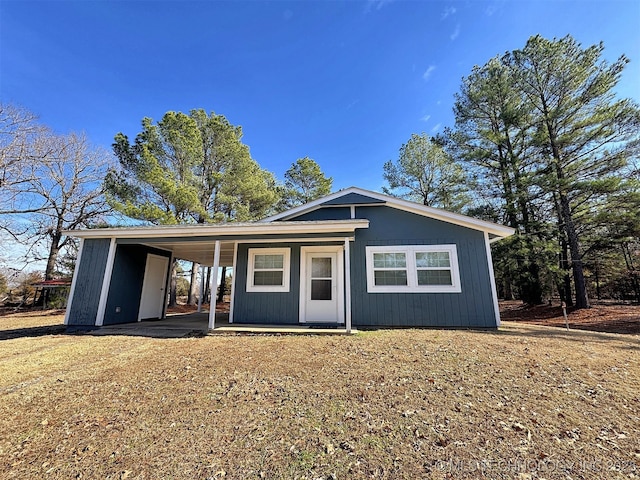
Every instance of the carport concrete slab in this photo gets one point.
(197, 324)
(278, 329)
(174, 326)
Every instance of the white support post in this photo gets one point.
(214, 286)
(72, 290)
(492, 279)
(106, 283)
(347, 285)
(201, 289)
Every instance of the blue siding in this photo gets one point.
(388, 226)
(353, 199)
(272, 308)
(127, 278)
(90, 274)
(330, 213)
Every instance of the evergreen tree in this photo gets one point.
(493, 127)
(304, 182)
(425, 173)
(583, 135)
(546, 135)
(188, 169)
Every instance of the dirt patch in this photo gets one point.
(525, 401)
(222, 307)
(599, 318)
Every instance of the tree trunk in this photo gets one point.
(507, 290)
(173, 297)
(576, 257)
(221, 291)
(207, 287)
(635, 283)
(193, 284)
(53, 257)
(565, 287)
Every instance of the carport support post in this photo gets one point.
(214, 286)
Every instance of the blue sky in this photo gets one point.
(345, 83)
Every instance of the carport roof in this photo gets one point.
(195, 242)
(224, 229)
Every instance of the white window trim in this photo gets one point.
(286, 252)
(412, 270)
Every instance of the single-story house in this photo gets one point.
(354, 258)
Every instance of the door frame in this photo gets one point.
(146, 278)
(304, 251)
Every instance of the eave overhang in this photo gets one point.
(224, 230)
(495, 231)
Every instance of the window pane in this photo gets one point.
(321, 267)
(389, 260)
(266, 277)
(320, 289)
(432, 259)
(390, 277)
(269, 261)
(434, 277)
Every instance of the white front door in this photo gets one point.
(321, 285)
(153, 287)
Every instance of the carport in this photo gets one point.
(122, 274)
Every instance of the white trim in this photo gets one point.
(436, 213)
(352, 209)
(106, 283)
(233, 281)
(293, 240)
(339, 279)
(286, 269)
(222, 230)
(347, 284)
(412, 270)
(492, 279)
(214, 285)
(73, 282)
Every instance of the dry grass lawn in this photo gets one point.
(523, 402)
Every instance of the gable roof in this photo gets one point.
(358, 197)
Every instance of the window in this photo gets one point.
(413, 269)
(268, 270)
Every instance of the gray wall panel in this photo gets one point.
(127, 278)
(332, 213)
(471, 308)
(271, 308)
(86, 295)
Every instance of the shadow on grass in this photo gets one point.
(44, 331)
(575, 335)
(32, 332)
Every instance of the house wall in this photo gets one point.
(271, 308)
(328, 213)
(86, 296)
(472, 308)
(127, 278)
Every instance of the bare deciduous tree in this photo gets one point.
(48, 183)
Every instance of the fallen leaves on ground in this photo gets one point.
(598, 318)
(522, 402)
